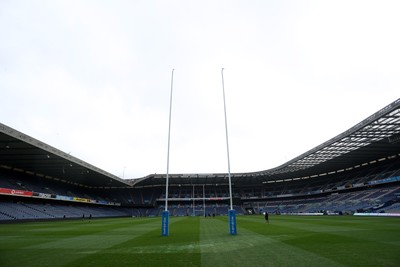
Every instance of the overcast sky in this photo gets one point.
(93, 78)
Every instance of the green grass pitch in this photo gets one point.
(197, 241)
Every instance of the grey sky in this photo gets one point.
(92, 78)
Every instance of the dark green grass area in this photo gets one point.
(197, 241)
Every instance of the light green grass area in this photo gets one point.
(197, 241)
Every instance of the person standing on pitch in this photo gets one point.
(266, 217)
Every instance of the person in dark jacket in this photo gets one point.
(266, 217)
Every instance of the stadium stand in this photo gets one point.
(356, 171)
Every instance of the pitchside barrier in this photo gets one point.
(377, 214)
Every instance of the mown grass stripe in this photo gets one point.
(249, 248)
(350, 244)
(76, 241)
(181, 248)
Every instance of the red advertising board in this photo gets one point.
(8, 191)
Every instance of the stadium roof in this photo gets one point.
(23, 153)
(373, 139)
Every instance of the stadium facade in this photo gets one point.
(358, 171)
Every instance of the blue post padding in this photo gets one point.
(165, 222)
(232, 222)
